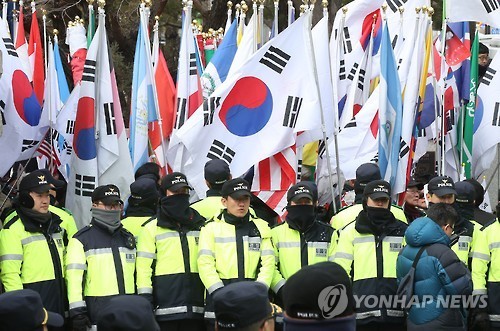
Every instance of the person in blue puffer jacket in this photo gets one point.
(439, 275)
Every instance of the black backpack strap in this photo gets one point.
(417, 257)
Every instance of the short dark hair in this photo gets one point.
(150, 168)
(483, 49)
(442, 214)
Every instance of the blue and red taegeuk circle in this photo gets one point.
(27, 106)
(247, 108)
(84, 135)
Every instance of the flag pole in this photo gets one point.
(323, 126)
(276, 3)
(45, 44)
(15, 22)
(100, 26)
(261, 22)
(144, 18)
(155, 91)
(442, 96)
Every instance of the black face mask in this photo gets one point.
(300, 217)
(378, 216)
(176, 208)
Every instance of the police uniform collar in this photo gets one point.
(33, 226)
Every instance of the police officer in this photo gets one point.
(486, 277)
(167, 272)
(365, 174)
(302, 240)
(32, 246)
(369, 248)
(441, 189)
(466, 228)
(216, 174)
(234, 246)
(142, 205)
(100, 259)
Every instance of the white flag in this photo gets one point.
(485, 11)
(253, 114)
(487, 119)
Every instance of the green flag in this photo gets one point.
(468, 114)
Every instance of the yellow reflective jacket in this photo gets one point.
(98, 265)
(295, 250)
(31, 257)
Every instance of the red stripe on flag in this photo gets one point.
(265, 175)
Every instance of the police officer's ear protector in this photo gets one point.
(26, 200)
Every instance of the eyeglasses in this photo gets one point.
(113, 206)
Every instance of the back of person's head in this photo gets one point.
(216, 173)
(483, 49)
(127, 313)
(243, 306)
(149, 169)
(22, 310)
(479, 191)
(319, 297)
(442, 214)
(144, 193)
(366, 173)
(465, 194)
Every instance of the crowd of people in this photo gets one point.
(163, 263)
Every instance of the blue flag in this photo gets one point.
(390, 111)
(216, 71)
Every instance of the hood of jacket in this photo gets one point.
(424, 231)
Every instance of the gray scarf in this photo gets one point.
(109, 219)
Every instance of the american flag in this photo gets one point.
(274, 176)
(48, 149)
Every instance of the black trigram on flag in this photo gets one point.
(491, 5)
(209, 107)
(342, 74)
(11, 50)
(181, 112)
(275, 59)
(488, 76)
(89, 71)
(399, 63)
(403, 149)
(292, 110)
(84, 185)
(27, 144)
(322, 148)
(109, 115)
(375, 158)
(496, 115)
(352, 73)
(2, 108)
(395, 4)
(193, 69)
(394, 41)
(347, 41)
(70, 127)
(299, 170)
(361, 82)
(421, 133)
(67, 147)
(220, 151)
(352, 123)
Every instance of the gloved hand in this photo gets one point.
(80, 323)
(479, 321)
